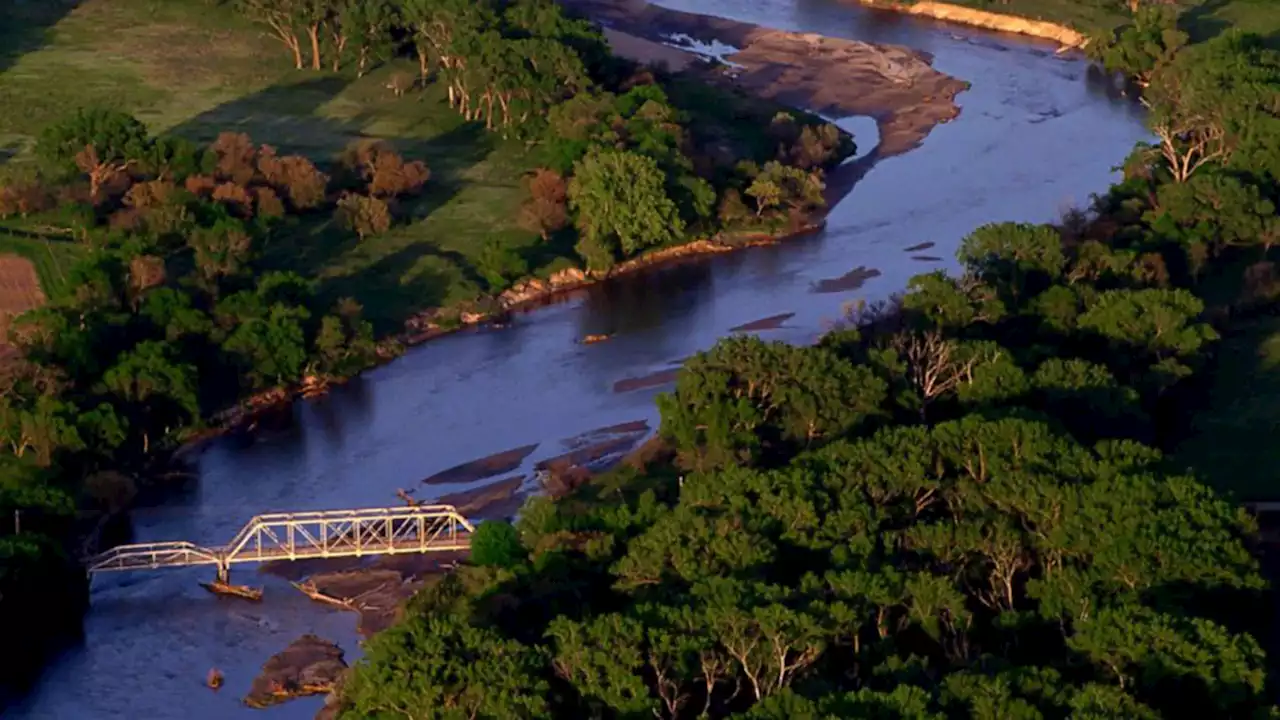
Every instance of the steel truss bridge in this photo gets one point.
(305, 535)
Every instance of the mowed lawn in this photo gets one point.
(194, 69)
(1236, 444)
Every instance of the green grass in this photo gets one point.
(1203, 18)
(52, 259)
(1236, 441)
(189, 68)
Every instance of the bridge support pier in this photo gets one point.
(224, 573)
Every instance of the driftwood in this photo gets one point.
(240, 591)
(354, 604)
(593, 339)
(404, 495)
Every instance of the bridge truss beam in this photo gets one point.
(306, 535)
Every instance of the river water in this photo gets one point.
(1035, 136)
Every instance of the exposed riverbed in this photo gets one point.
(1033, 137)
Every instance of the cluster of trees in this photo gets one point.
(172, 319)
(958, 504)
(102, 170)
(637, 178)
(503, 62)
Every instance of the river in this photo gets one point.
(1034, 137)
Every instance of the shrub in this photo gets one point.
(145, 272)
(235, 197)
(496, 543)
(387, 174)
(294, 177)
(363, 215)
(24, 199)
(732, 208)
(545, 211)
(201, 186)
(236, 158)
(499, 266)
(267, 203)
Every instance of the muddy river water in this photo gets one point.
(1035, 136)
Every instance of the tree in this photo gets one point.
(622, 206)
(221, 252)
(271, 348)
(457, 670)
(156, 393)
(282, 17)
(344, 344)
(363, 26)
(1141, 47)
(102, 144)
(1214, 99)
(496, 543)
(731, 403)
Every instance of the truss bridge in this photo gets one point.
(305, 535)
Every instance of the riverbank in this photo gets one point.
(895, 85)
(1006, 22)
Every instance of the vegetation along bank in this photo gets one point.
(988, 498)
(272, 208)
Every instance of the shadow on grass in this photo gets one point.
(1199, 22)
(389, 292)
(24, 28)
(25, 25)
(285, 116)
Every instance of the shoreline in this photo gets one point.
(1003, 22)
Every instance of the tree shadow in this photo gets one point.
(391, 290)
(285, 116)
(1200, 23)
(25, 26)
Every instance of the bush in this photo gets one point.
(387, 174)
(499, 266)
(24, 199)
(294, 177)
(363, 215)
(545, 211)
(496, 543)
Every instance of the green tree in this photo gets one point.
(1139, 48)
(621, 206)
(496, 543)
(271, 348)
(157, 394)
(441, 667)
(95, 141)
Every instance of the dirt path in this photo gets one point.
(19, 292)
(895, 85)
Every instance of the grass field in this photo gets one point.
(1235, 445)
(190, 68)
(51, 258)
(1203, 19)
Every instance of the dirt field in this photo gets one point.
(19, 292)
